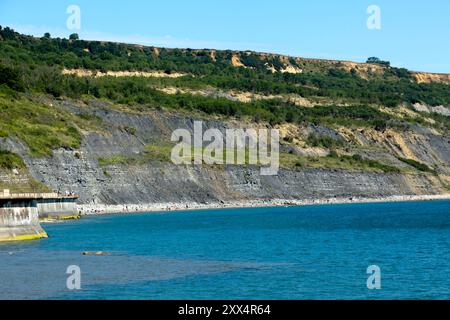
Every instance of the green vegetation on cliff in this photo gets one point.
(42, 127)
(9, 160)
(39, 62)
(334, 161)
(34, 65)
(415, 164)
(334, 96)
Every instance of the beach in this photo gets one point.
(92, 209)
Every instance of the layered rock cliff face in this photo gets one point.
(127, 134)
(347, 129)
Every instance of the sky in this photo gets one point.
(413, 34)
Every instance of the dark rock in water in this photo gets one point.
(95, 253)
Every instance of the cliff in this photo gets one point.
(113, 165)
(95, 118)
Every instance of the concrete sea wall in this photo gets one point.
(19, 220)
(20, 213)
(57, 209)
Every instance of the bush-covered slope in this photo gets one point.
(58, 95)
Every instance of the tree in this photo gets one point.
(47, 35)
(74, 36)
(11, 77)
(375, 60)
(8, 33)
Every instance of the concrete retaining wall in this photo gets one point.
(19, 220)
(57, 209)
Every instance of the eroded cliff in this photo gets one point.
(114, 164)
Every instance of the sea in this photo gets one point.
(324, 252)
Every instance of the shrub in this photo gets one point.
(11, 77)
(418, 165)
(324, 141)
(9, 160)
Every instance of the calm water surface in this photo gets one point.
(315, 252)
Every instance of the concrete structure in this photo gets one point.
(62, 208)
(20, 213)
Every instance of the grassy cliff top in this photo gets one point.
(41, 62)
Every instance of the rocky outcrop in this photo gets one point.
(426, 77)
(445, 111)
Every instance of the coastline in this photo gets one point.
(96, 209)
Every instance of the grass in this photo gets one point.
(162, 152)
(418, 165)
(158, 152)
(92, 120)
(333, 161)
(324, 141)
(31, 185)
(41, 127)
(24, 182)
(113, 160)
(9, 160)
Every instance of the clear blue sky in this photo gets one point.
(414, 34)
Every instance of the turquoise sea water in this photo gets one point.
(314, 252)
